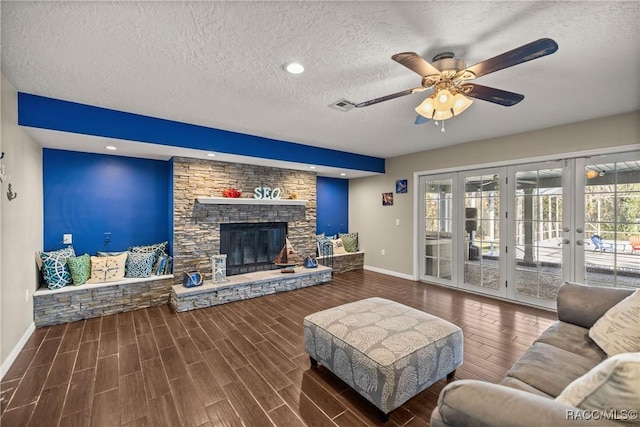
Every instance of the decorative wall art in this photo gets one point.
(387, 199)
(401, 186)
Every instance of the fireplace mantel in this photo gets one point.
(249, 201)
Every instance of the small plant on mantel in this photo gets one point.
(231, 192)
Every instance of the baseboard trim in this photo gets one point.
(16, 350)
(390, 273)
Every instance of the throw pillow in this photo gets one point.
(617, 331)
(54, 267)
(350, 241)
(325, 247)
(610, 386)
(139, 264)
(157, 248)
(338, 246)
(80, 268)
(101, 253)
(107, 268)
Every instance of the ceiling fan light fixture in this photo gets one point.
(426, 108)
(443, 100)
(460, 103)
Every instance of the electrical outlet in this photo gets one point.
(382, 252)
(107, 237)
(67, 239)
(397, 221)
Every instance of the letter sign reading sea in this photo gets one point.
(266, 193)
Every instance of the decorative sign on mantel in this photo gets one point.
(266, 193)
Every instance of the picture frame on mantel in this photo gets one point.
(402, 186)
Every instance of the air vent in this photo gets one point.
(343, 105)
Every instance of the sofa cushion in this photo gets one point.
(613, 385)
(517, 384)
(617, 331)
(550, 369)
(583, 305)
(574, 339)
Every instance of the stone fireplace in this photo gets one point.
(197, 226)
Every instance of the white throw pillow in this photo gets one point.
(614, 384)
(618, 331)
(338, 246)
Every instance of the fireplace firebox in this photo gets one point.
(251, 246)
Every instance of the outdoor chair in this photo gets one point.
(635, 243)
(599, 244)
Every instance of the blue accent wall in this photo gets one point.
(90, 194)
(332, 214)
(49, 113)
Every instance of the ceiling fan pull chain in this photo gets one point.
(442, 130)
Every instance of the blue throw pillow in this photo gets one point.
(139, 264)
(54, 267)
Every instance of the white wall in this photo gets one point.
(21, 229)
(376, 224)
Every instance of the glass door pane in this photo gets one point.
(537, 237)
(438, 229)
(612, 222)
(482, 228)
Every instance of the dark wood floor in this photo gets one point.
(241, 363)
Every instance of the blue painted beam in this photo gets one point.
(55, 114)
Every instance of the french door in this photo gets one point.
(519, 232)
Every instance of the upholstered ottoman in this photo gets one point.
(384, 350)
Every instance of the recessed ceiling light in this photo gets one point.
(343, 174)
(312, 167)
(293, 67)
(110, 147)
(211, 154)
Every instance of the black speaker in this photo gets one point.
(470, 223)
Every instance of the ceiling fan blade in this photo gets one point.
(388, 97)
(533, 50)
(416, 63)
(420, 120)
(497, 96)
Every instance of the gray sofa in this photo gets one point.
(525, 397)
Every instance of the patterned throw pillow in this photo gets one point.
(350, 241)
(54, 267)
(80, 268)
(338, 246)
(617, 330)
(157, 248)
(139, 264)
(107, 268)
(325, 247)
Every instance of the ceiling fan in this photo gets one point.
(449, 80)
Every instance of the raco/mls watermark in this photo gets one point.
(612, 414)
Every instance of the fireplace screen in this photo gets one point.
(251, 246)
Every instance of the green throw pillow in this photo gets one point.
(80, 268)
(350, 241)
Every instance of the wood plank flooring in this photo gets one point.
(240, 364)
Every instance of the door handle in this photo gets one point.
(566, 229)
(566, 241)
(579, 242)
(579, 230)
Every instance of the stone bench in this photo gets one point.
(71, 303)
(346, 262)
(385, 351)
(245, 286)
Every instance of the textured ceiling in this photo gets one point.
(218, 64)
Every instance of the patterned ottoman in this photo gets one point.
(384, 350)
